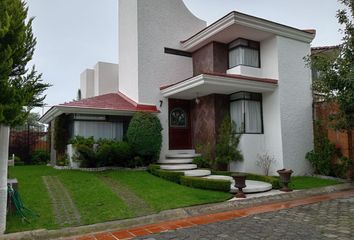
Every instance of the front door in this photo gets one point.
(179, 124)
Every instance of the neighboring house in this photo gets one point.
(193, 75)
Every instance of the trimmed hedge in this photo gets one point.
(204, 183)
(168, 175)
(250, 176)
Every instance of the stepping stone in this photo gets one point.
(197, 173)
(182, 155)
(253, 187)
(65, 210)
(175, 161)
(178, 166)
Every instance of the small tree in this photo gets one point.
(144, 135)
(265, 161)
(336, 79)
(21, 89)
(227, 143)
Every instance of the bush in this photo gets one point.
(321, 157)
(341, 167)
(86, 156)
(168, 175)
(40, 157)
(144, 135)
(114, 153)
(204, 183)
(79, 140)
(227, 142)
(63, 161)
(201, 162)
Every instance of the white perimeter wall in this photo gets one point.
(144, 66)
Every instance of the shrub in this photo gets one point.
(40, 157)
(207, 159)
(340, 168)
(79, 140)
(86, 156)
(62, 160)
(321, 157)
(168, 175)
(114, 153)
(228, 140)
(61, 134)
(204, 183)
(201, 162)
(265, 161)
(144, 135)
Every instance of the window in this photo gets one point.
(178, 118)
(246, 112)
(244, 52)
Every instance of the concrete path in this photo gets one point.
(328, 216)
(65, 211)
(135, 203)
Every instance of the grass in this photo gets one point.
(298, 182)
(95, 201)
(161, 194)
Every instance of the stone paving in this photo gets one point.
(135, 203)
(66, 213)
(323, 220)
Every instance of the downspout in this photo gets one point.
(4, 155)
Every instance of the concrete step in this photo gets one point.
(220, 177)
(197, 173)
(178, 167)
(253, 187)
(182, 155)
(175, 161)
(191, 151)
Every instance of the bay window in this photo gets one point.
(244, 52)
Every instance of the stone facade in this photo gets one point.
(207, 117)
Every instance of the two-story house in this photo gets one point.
(193, 75)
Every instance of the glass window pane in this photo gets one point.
(236, 112)
(253, 117)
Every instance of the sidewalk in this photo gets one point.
(190, 216)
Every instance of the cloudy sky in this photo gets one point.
(74, 34)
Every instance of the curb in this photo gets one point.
(172, 215)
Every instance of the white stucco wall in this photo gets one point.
(87, 87)
(106, 78)
(295, 104)
(144, 66)
(128, 48)
(287, 111)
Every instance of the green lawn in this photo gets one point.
(298, 182)
(95, 201)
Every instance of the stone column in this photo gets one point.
(4, 155)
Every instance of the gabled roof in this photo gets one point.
(107, 104)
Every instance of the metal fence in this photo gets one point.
(27, 139)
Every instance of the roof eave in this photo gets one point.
(248, 21)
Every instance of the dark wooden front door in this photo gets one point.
(179, 124)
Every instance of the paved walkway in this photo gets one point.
(329, 216)
(66, 213)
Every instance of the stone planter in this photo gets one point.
(285, 175)
(240, 183)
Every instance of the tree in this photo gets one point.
(227, 143)
(21, 88)
(336, 79)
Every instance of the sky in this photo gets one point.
(73, 35)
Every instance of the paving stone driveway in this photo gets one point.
(324, 220)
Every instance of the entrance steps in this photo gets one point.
(182, 161)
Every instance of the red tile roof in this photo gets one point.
(236, 76)
(111, 101)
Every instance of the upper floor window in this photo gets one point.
(244, 52)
